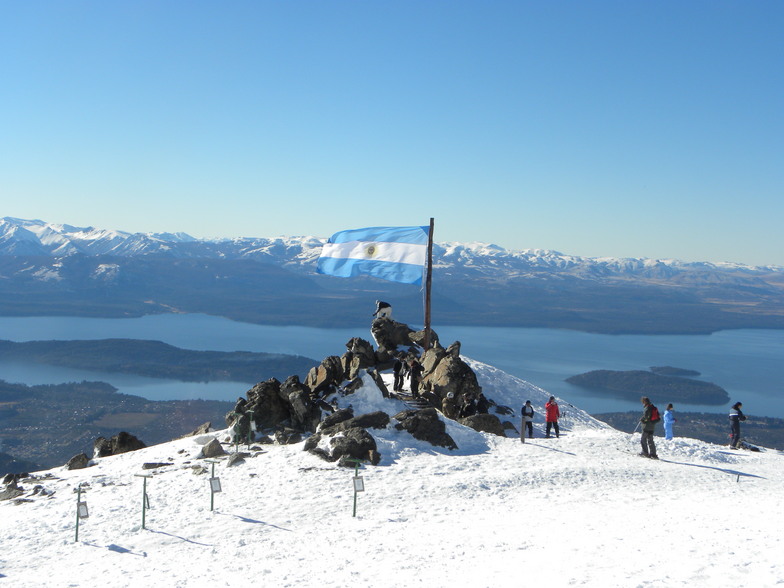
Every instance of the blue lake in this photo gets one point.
(749, 364)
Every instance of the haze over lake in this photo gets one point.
(747, 363)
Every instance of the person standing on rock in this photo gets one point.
(669, 419)
(527, 413)
(552, 414)
(383, 310)
(736, 416)
(648, 420)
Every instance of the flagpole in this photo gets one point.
(428, 283)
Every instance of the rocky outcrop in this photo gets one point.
(325, 377)
(78, 462)
(349, 443)
(486, 423)
(212, 449)
(426, 426)
(120, 443)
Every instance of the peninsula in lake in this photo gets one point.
(661, 388)
(156, 359)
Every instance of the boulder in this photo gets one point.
(426, 426)
(326, 376)
(213, 449)
(78, 462)
(287, 437)
(120, 443)
(354, 443)
(484, 422)
(389, 335)
(266, 404)
(359, 355)
(372, 420)
(451, 374)
(336, 417)
(305, 414)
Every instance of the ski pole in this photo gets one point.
(635, 428)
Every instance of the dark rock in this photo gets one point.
(236, 459)
(484, 422)
(102, 447)
(336, 417)
(426, 426)
(287, 437)
(372, 420)
(326, 376)
(389, 335)
(213, 449)
(153, 465)
(267, 405)
(450, 374)
(120, 443)
(78, 462)
(354, 443)
(305, 414)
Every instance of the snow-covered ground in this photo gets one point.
(582, 510)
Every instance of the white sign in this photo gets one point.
(215, 485)
(359, 485)
(82, 510)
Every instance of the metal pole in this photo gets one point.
(78, 501)
(428, 282)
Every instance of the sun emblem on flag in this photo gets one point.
(370, 250)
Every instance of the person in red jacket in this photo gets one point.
(552, 414)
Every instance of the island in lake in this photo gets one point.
(662, 388)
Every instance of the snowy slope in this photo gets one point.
(581, 510)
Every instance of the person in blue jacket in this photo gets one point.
(669, 419)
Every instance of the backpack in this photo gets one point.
(655, 418)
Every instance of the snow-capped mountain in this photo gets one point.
(50, 268)
(35, 237)
(582, 509)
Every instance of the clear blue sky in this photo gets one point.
(628, 128)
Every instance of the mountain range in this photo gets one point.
(59, 269)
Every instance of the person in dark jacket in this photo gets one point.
(551, 414)
(397, 370)
(527, 413)
(383, 309)
(736, 416)
(415, 376)
(648, 428)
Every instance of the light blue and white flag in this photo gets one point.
(397, 254)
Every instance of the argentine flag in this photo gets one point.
(397, 254)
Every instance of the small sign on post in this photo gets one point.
(81, 510)
(359, 483)
(215, 484)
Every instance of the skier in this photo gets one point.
(552, 414)
(383, 310)
(736, 416)
(527, 412)
(648, 427)
(669, 419)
